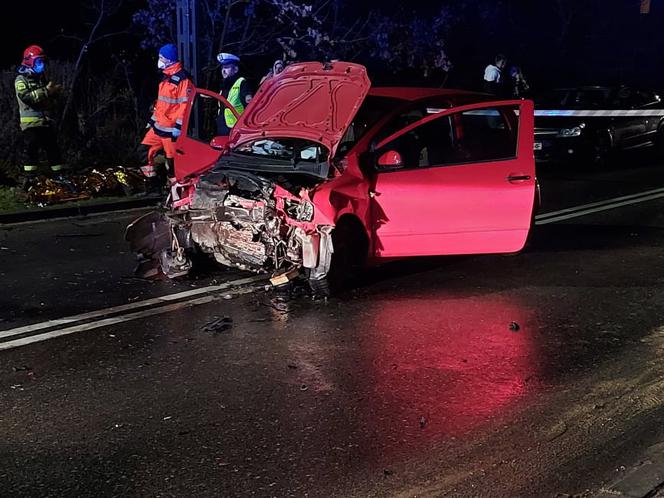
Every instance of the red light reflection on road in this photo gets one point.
(447, 365)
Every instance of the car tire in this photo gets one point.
(659, 141)
(350, 253)
(601, 150)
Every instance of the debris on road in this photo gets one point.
(423, 422)
(278, 304)
(218, 325)
(556, 431)
(23, 368)
(514, 327)
(285, 277)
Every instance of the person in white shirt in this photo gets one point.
(493, 75)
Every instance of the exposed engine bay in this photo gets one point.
(243, 221)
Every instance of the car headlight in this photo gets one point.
(300, 211)
(572, 132)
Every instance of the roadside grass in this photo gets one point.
(9, 201)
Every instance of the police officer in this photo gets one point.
(234, 88)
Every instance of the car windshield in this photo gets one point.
(284, 149)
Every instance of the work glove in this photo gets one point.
(176, 133)
(53, 88)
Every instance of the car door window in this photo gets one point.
(425, 145)
(409, 116)
(487, 134)
(468, 137)
(203, 118)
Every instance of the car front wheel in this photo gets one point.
(601, 149)
(350, 252)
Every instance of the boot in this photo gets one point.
(27, 181)
(170, 167)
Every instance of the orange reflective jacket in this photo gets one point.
(175, 89)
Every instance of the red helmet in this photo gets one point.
(31, 53)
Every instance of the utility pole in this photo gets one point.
(645, 6)
(187, 36)
(188, 49)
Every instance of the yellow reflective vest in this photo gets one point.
(234, 100)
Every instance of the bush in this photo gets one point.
(9, 129)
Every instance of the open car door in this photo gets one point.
(458, 181)
(198, 149)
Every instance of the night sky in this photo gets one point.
(43, 23)
(46, 25)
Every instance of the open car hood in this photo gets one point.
(310, 100)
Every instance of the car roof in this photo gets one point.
(454, 96)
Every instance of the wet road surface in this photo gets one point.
(537, 374)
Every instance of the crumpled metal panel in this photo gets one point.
(230, 245)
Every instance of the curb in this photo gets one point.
(77, 210)
(645, 479)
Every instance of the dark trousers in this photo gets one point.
(37, 139)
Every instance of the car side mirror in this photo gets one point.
(219, 143)
(390, 159)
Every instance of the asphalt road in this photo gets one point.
(537, 374)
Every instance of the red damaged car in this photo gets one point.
(323, 173)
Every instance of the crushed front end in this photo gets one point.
(242, 221)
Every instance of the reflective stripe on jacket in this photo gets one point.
(175, 90)
(235, 100)
(32, 99)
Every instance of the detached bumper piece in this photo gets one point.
(159, 246)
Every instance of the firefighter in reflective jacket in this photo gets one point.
(34, 96)
(234, 88)
(175, 89)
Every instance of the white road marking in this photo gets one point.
(115, 320)
(157, 301)
(604, 207)
(599, 203)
